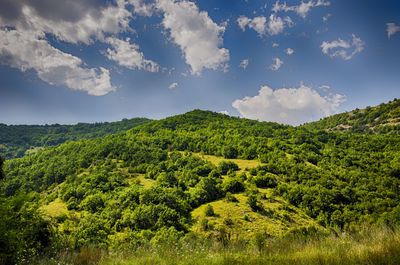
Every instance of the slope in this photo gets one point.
(382, 119)
(324, 178)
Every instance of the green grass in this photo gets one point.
(275, 218)
(376, 247)
(242, 163)
(55, 208)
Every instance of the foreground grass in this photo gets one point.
(369, 247)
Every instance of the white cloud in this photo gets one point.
(244, 63)
(275, 45)
(173, 85)
(225, 112)
(273, 26)
(128, 55)
(196, 34)
(257, 23)
(302, 9)
(343, 49)
(276, 65)
(324, 87)
(27, 50)
(289, 22)
(25, 47)
(289, 51)
(288, 105)
(391, 29)
(143, 9)
(90, 26)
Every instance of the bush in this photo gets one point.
(209, 210)
(233, 185)
(225, 166)
(252, 202)
(230, 198)
(265, 181)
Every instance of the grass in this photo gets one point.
(145, 182)
(377, 247)
(242, 163)
(274, 218)
(55, 208)
(34, 150)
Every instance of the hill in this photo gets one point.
(202, 175)
(382, 119)
(18, 140)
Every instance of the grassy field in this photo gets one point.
(55, 208)
(242, 163)
(371, 247)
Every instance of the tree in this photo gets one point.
(229, 152)
(1, 168)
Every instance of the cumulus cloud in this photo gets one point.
(85, 27)
(273, 26)
(276, 65)
(342, 48)
(196, 34)
(225, 112)
(128, 55)
(244, 63)
(26, 24)
(302, 9)
(391, 29)
(173, 85)
(289, 51)
(26, 50)
(292, 106)
(275, 45)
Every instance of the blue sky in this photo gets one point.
(290, 62)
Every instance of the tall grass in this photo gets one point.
(370, 247)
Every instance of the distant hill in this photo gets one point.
(382, 119)
(18, 140)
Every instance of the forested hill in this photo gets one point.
(154, 182)
(382, 119)
(17, 140)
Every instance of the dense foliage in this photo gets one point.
(15, 140)
(340, 180)
(382, 119)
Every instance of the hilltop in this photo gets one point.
(382, 119)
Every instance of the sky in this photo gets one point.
(290, 62)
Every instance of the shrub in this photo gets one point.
(225, 166)
(253, 202)
(265, 181)
(209, 210)
(233, 185)
(230, 198)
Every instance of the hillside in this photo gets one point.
(382, 119)
(153, 184)
(18, 140)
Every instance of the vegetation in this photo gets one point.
(382, 119)
(221, 186)
(18, 140)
